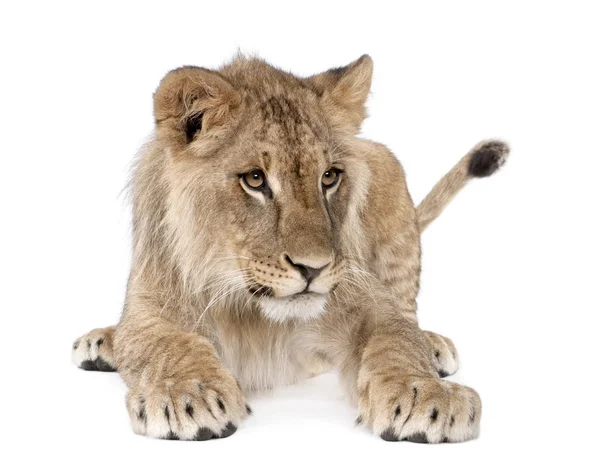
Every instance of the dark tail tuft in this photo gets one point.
(482, 160)
(488, 158)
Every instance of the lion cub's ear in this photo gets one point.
(344, 92)
(190, 100)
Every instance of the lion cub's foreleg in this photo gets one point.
(94, 350)
(178, 387)
(401, 396)
(391, 370)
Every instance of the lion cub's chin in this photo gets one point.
(308, 306)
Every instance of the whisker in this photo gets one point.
(216, 300)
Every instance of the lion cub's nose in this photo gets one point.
(309, 273)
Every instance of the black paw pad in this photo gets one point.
(228, 431)
(204, 434)
(442, 373)
(388, 435)
(416, 438)
(486, 160)
(97, 365)
(104, 366)
(88, 365)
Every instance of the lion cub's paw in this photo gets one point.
(445, 356)
(192, 409)
(421, 410)
(94, 350)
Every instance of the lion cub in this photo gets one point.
(269, 243)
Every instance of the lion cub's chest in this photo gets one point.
(261, 355)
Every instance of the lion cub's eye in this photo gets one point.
(330, 178)
(254, 179)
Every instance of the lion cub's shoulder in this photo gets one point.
(389, 203)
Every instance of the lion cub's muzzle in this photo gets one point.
(292, 287)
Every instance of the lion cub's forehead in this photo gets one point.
(286, 133)
(284, 125)
(291, 119)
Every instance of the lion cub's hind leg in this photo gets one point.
(94, 350)
(444, 355)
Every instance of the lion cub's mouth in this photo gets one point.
(267, 292)
(261, 291)
(303, 305)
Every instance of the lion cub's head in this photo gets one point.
(263, 183)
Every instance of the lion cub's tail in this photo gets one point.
(482, 160)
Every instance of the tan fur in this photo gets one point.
(456, 179)
(213, 307)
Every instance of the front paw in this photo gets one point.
(94, 350)
(196, 409)
(445, 356)
(420, 409)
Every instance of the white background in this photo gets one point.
(510, 270)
